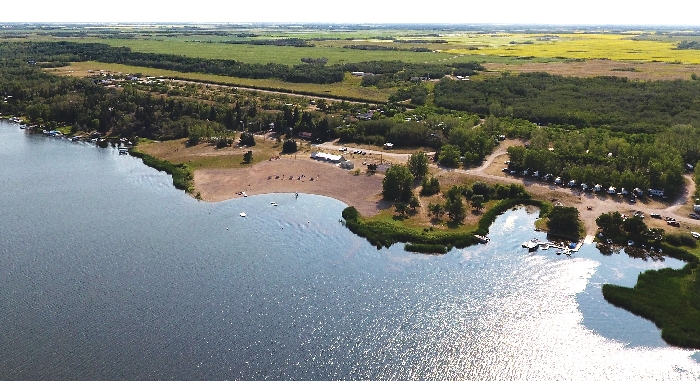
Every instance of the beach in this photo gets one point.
(290, 175)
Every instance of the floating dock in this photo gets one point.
(534, 244)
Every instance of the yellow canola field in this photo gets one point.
(587, 46)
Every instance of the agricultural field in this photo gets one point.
(349, 88)
(640, 55)
(617, 47)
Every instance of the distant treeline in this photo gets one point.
(296, 42)
(436, 41)
(311, 72)
(390, 48)
(393, 73)
(611, 102)
(72, 52)
(689, 45)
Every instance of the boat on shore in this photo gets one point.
(482, 239)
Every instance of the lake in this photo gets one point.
(108, 272)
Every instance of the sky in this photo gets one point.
(589, 12)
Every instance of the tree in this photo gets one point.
(477, 201)
(449, 155)
(430, 186)
(418, 164)
(454, 205)
(610, 224)
(564, 222)
(437, 210)
(289, 146)
(635, 228)
(413, 203)
(247, 139)
(194, 139)
(483, 189)
(401, 208)
(397, 183)
(248, 157)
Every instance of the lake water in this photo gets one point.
(108, 272)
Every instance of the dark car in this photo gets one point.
(694, 216)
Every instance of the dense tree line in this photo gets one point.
(389, 48)
(306, 72)
(399, 133)
(54, 100)
(688, 45)
(598, 156)
(73, 52)
(296, 42)
(393, 73)
(611, 102)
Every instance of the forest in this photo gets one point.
(613, 103)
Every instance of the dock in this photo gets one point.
(534, 244)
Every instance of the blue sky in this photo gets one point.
(589, 12)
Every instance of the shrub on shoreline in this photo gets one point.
(181, 173)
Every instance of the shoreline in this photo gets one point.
(289, 175)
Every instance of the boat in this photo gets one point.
(244, 195)
(273, 203)
(243, 214)
(532, 244)
(482, 239)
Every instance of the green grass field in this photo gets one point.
(349, 88)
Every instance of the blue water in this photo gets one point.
(108, 272)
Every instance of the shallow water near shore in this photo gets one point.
(108, 272)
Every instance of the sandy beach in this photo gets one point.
(289, 175)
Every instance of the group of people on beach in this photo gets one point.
(301, 177)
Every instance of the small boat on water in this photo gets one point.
(273, 203)
(243, 214)
(532, 244)
(482, 239)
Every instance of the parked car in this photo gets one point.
(694, 216)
